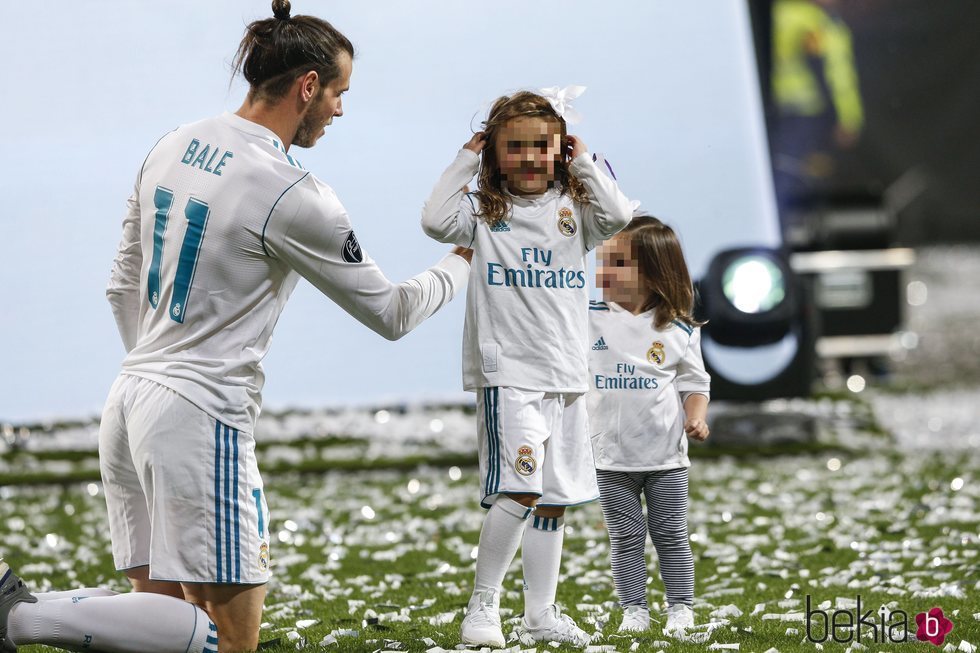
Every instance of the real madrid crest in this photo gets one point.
(525, 463)
(656, 354)
(264, 557)
(566, 223)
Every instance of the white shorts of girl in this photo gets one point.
(183, 490)
(534, 443)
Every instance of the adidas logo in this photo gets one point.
(500, 226)
(600, 345)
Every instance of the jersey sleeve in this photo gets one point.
(692, 378)
(123, 291)
(449, 215)
(608, 210)
(309, 230)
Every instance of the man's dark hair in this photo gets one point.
(276, 50)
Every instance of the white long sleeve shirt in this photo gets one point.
(639, 376)
(527, 301)
(221, 226)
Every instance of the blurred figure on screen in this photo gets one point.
(815, 92)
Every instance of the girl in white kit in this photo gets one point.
(541, 205)
(649, 393)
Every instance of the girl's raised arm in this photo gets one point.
(449, 214)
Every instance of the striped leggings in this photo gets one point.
(666, 497)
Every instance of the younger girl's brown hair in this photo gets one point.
(663, 271)
(490, 193)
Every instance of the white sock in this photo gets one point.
(499, 539)
(541, 557)
(84, 592)
(136, 622)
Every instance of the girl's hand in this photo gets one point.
(476, 143)
(696, 429)
(575, 146)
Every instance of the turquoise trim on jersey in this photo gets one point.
(257, 494)
(469, 196)
(687, 328)
(266, 224)
(496, 436)
(217, 497)
(491, 398)
(492, 484)
(226, 499)
(491, 425)
(238, 547)
(139, 177)
(163, 200)
(597, 306)
(226, 504)
(197, 213)
(293, 162)
(488, 427)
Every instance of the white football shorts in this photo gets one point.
(183, 490)
(534, 443)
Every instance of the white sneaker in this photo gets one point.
(560, 628)
(636, 619)
(481, 625)
(679, 617)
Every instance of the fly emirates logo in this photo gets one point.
(536, 272)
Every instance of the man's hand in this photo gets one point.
(696, 429)
(476, 143)
(465, 252)
(576, 146)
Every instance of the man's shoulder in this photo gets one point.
(305, 193)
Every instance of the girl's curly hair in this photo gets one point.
(494, 206)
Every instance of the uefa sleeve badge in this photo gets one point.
(352, 249)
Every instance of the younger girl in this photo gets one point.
(541, 205)
(649, 389)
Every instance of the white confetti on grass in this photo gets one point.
(348, 563)
(726, 611)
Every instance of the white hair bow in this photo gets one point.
(561, 101)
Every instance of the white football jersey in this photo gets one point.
(527, 300)
(220, 227)
(639, 375)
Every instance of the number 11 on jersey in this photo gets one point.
(197, 213)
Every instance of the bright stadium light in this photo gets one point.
(754, 284)
(759, 340)
(749, 297)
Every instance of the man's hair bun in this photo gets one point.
(280, 9)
